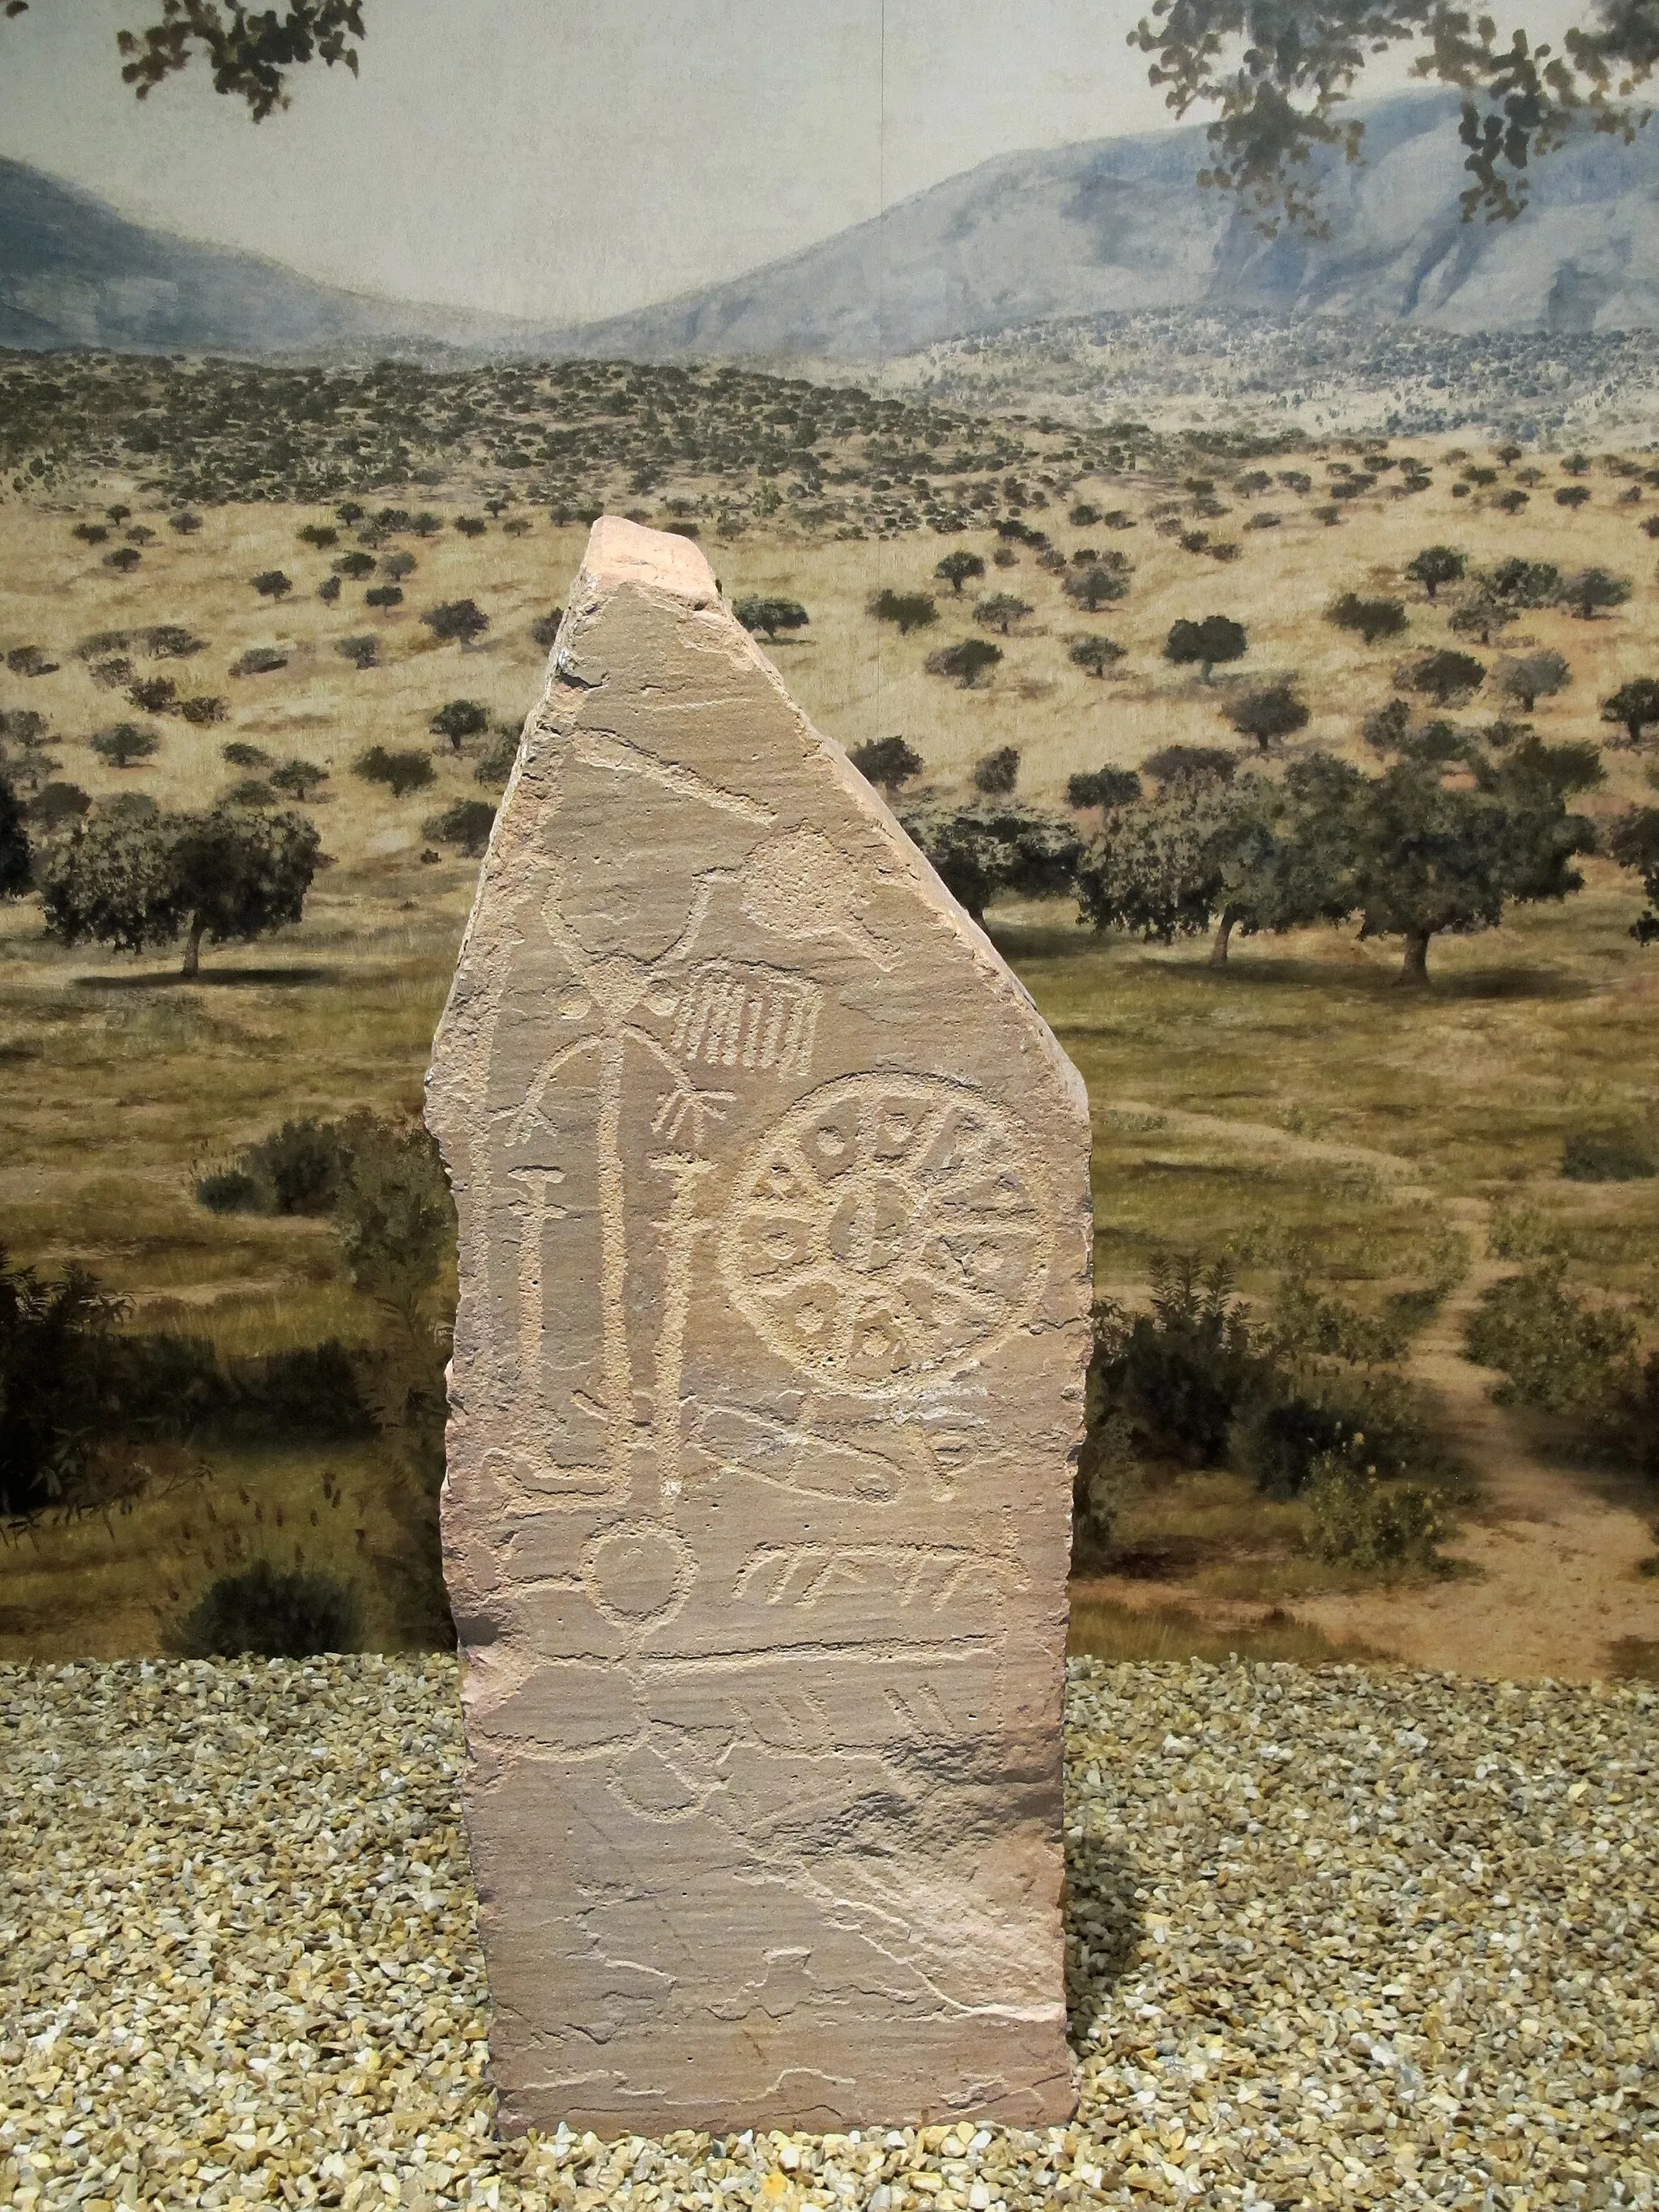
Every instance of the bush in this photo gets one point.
(401, 772)
(361, 652)
(299, 1167)
(965, 663)
(996, 773)
(889, 762)
(496, 764)
(125, 743)
(907, 611)
(238, 755)
(252, 791)
(1371, 618)
(272, 1614)
(203, 711)
(466, 824)
(384, 595)
(1095, 655)
(1555, 1353)
(1103, 787)
(1178, 1376)
(1359, 1519)
(456, 621)
(458, 719)
(272, 584)
(546, 627)
(1606, 1156)
(259, 660)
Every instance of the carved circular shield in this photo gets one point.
(889, 1229)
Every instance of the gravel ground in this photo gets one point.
(1341, 1937)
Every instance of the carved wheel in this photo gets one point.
(889, 1230)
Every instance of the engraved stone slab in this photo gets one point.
(774, 1274)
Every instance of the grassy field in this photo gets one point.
(1297, 1110)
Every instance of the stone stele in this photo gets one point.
(767, 1382)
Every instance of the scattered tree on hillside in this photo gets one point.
(125, 559)
(770, 615)
(299, 778)
(16, 875)
(1374, 619)
(458, 719)
(1247, 854)
(354, 566)
(1436, 565)
(385, 595)
(1206, 644)
(1531, 677)
(1634, 707)
(456, 621)
(1273, 712)
(1172, 766)
(259, 660)
(1000, 611)
(1480, 614)
(1094, 655)
(124, 743)
(238, 754)
(1103, 787)
(888, 763)
(361, 652)
(1447, 677)
(959, 568)
(1573, 495)
(398, 565)
(996, 773)
(1633, 842)
(989, 850)
(466, 824)
(401, 772)
(1429, 858)
(272, 584)
(908, 610)
(1591, 590)
(329, 590)
(217, 875)
(1102, 584)
(30, 660)
(965, 663)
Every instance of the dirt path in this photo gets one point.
(1557, 1548)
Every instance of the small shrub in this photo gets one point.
(239, 755)
(1103, 787)
(456, 621)
(466, 824)
(965, 663)
(155, 695)
(889, 762)
(545, 628)
(272, 584)
(252, 791)
(906, 611)
(1361, 1521)
(496, 764)
(259, 660)
(231, 1190)
(272, 1614)
(361, 652)
(997, 773)
(384, 595)
(1606, 1156)
(1555, 1353)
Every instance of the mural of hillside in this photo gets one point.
(74, 272)
(1115, 225)
(1119, 224)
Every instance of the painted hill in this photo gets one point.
(1114, 225)
(1121, 225)
(73, 272)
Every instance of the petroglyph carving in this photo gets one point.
(775, 1242)
(887, 1230)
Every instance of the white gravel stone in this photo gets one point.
(1338, 1938)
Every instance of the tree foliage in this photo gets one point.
(15, 870)
(130, 883)
(1633, 708)
(965, 663)
(1278, 76)
(995, 849)
(1217, 638)
(906, 610)
(995, 773)
(770, 615)
(1372, 619)
(889, 762)
(1272, 712)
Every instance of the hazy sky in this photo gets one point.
(558, 160)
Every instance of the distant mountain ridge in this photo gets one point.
(1122, 225)
(1114, 225)
(74, 272)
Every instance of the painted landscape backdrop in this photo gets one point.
(1261, 636)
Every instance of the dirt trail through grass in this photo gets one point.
(1556, 1548)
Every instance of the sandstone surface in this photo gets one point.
(768, 1378)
